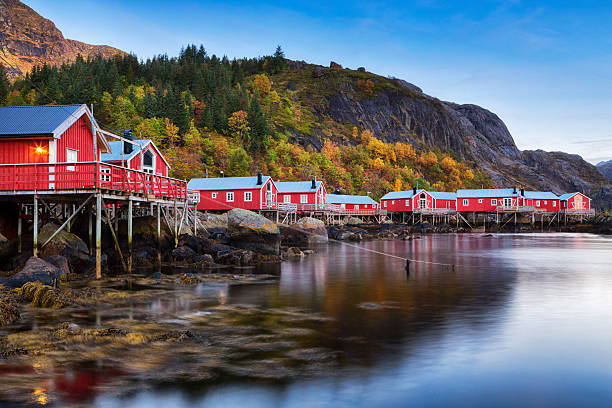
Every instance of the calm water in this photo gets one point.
(522, 321)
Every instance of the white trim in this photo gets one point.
(227, 196)
(248, 194)
(52, 159)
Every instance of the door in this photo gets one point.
(507, 202)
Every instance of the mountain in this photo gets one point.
(399, 111)
(605, 167)
(27, 39)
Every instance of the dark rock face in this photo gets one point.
(65, 244)
(307, 231)
(34, 270)
(248, 230)
(605, 168)
(183, 253)
(60, 262)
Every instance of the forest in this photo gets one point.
(213, 116)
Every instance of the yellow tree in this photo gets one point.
(262, 84)
(398, 184)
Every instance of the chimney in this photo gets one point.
(259, 178)
(127, 147)
(514, 191)
(523, 192)
(314, 183)
(413, 190)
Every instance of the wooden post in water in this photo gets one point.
(35, 228)
(407, 266)
(129, 231)
(99, 235)
(19, 221)
(90, 216)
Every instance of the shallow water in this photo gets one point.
(521, 320)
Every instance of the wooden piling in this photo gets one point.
(129, 231)
(35, 228)
(19, 221)
(90, 217)
(98, 235)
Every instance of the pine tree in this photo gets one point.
(4, 86)
(258, 125)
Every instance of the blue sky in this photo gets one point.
(545, 67)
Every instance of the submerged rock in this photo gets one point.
(307, 231)
(293, 253)
(248, 230)
(34, 270)
(65, 244)
(183, 253)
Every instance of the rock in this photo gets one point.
(335, 65)
(65, 244)
(157, 275)
(200, 245)
(361, 69)
(248, 230)
(213, 223)
(205, 259)
(353, 221)
(220, 237)
(34, 270)
(19, 261)
(318, 72)
(5, 248)
(183, 253)
(61, 262)
(307, 231)
(144, 232)
(237, 257)
(291, 86)
(293, 253)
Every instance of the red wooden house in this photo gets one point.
(541, 201)
(575, 203)
(307, 195)
(444, 201)
(137, 155)
(418, 201)
(500, 199)
(225, 193)
(352, 204)
(53, 137)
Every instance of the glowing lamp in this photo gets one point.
(40, 150)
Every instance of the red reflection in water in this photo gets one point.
(79, 386)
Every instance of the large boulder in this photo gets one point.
(307, 231)
(65, 244)
(35, 270)
(248, 230)
(213, 223)
(5, 248)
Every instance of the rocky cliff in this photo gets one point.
(605, 168)
(396, 110)
(27, 39)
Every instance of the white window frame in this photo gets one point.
(213, 195)
(480, 201)
(466, 202)
(304, 198)
(356, 206)
(248, 196)
(229, 197)
(537, 203)
(506, 200)
(106, 174)
(407, 203)
(494, 201)
(70, 159)
(385, 203)
(148, 169)
(554, 203)
(287, 198)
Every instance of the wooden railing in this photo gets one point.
(579, 211)
(85, 176)
(514, 208)
(435, 211)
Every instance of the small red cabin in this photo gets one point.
(350, 203)
(225, 193)
(49, 134)
(308, 195)
(575, 202)
(499, 199)
(137, 155)
(418, 201)
(541, 201)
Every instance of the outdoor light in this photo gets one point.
(40, 150)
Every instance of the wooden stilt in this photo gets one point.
(159, 209)
(19, 222)
(129, 228)
(99, 235)
(114, 235)
(35, 228)
(90, 216)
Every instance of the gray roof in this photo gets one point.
(297, 186)
(41, 120)
(348, 199)
(488, 192)
(568, 196)
(117, 148)
(398, 195)
(225, 183)
(540, 195)
(439, 195)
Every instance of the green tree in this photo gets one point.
(4, 86)
(258, 125)
(239, 163)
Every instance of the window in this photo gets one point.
(407, 203)
(343, 206)
(385, 203)
(494, 201)
(248, 196)
(480, 201)
(105, 176)
(392, 201)
(538, 203)
(554, 203)
(507, 202)
(356, 206)
(229, 197)
(71, 157)
(214, 195)
(148, 162)
(466, 203)
(545, 202)
(303, 198)
(287, 198)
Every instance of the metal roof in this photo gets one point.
(398, 195)
(41, 120)
(226, 183)
(488, 192)
(568, 196)
(297, 186)
(348, 199)
(540, 195)
(117, 148)
(439, 195)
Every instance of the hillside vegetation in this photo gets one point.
(210, 114)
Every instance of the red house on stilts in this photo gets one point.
(307, 195)
(226, 193)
